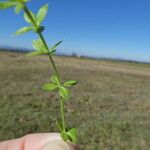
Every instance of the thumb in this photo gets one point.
(41, 141)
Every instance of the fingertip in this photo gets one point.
(17, 144)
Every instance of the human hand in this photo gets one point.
(40, 141)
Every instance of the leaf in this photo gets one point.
(54, 47)
(23, 30)
(27, 19)
(19, 0)
(49, 87)
(38, 45)
(35, 53)
(72, 133)
(55, 80)
(70, 83)
(18, 8)
(64, 136)
(51, 52)
(7, 4)
(41, 14)
(58, 43)
(59, 126)
(25, 0)
(64, 93)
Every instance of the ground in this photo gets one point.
(110, 105)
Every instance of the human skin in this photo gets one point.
(40, 141)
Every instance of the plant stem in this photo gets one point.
(26, 10)
(50, 57)
(62, 114)
(42, 39)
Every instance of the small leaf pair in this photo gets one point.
(35, 21)
(52, 86)
(63, 91)
(41, 49)
(69, 135)
(11, 3)
(55, 84)
(37, 18)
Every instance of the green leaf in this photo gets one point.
(70, 83)
(23, 30)
(41, 14)
(59, 126)
(7, 4)
(64, 93)
(51, 52)
(38, 45)
(54, 47)
(49, 87)
(27, 19)
(55, 80)
(19, 0)
(58, 43)
(64, 136)
(72, 133)
(35, 53)
(25, 0)
(18, 8)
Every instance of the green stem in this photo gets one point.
(42, 39)
(62, 114)
(51, 59)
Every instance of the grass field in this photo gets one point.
(110, 106)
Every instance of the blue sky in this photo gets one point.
(105, 28)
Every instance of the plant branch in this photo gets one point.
(51, 59)
(42, 39)
(42, 48)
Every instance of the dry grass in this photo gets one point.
(110, 106)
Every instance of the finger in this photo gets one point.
(47, 141)
(43, 141)
(17, 144)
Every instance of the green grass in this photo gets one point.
(110, 106)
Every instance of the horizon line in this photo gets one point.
(73, 54)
